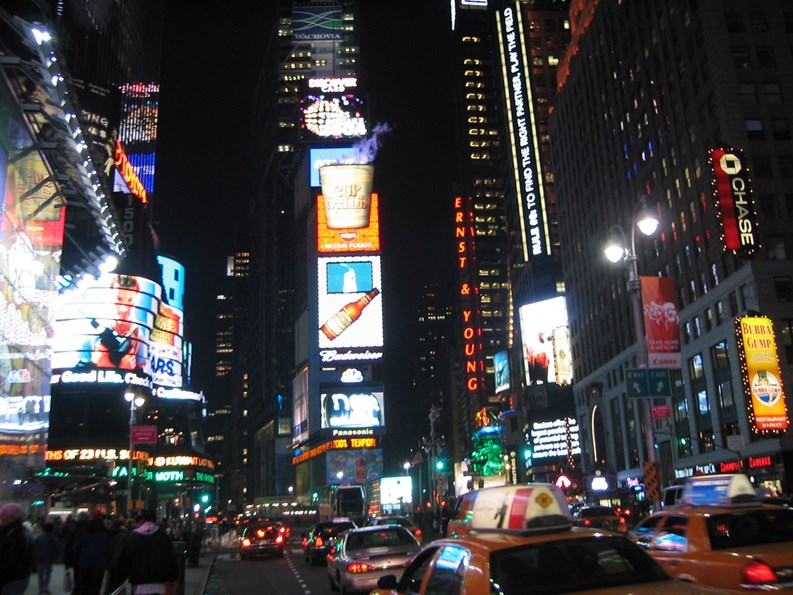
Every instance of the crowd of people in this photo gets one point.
(100, 553)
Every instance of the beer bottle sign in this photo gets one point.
(344, 318)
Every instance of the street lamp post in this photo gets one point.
(618, 250)
(134, 402)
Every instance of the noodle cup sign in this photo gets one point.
(347, 190)
(761, 375)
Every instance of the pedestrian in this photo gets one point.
(148, 559)
(16, 551)
(93, 550)
(77, 526)
(47, 550)
(118, 533)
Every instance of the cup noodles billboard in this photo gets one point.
(733, 197)
(103, 330)
(546, 342)
(760, 373)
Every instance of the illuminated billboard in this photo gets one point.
(353, 466)
(31, 240)
(545, 334)
(350, 312)
(328, 156)
(103, 330)
(317, 23)
(352, 239)
(300, 398)
(661, 322)
(556, 438)
(333, 113)
(761, 374)
(501, 366)
(358, 408)
(166, 345)
(172, 281)
(733, 195)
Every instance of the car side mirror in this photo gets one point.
(389, 581)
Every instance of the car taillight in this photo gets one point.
(418, 533)
(757, 572)
(359, 567)
(587, 522)
(319, 542)
(246, 542)
(305, 541)
(622, 520)
(279, 539)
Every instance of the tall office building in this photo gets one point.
(689, 104)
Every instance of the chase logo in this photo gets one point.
(730, 164)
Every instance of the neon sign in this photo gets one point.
(128, 173)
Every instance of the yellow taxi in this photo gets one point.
(513, 540)
(721, 534)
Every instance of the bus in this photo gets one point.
(349, 500)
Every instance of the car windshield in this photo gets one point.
(387, 537)
(573, 565)
(750, 527)
(594, 511)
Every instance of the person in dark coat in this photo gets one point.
(77, 527)
(118, 533)
(93, 550)
(47, 549)
(16, 551)
(148, 559)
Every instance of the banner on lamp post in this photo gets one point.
(661, 322)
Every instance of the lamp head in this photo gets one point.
(646, 218)
(129, 397)
(615, 249)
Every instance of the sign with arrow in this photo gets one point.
(646, 383)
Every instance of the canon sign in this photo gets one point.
(733, 196)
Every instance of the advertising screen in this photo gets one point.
(165, 347)
(328, 156)
(358, 408)
(546, 342)
(354, 465)
(317, 23)
(31, 239)
(348, 239)
(556, 438)
(333, 116)
(300, 407)
(104, 328)
(732, 191)
(350, 304)
(501, 365)
(172, 281)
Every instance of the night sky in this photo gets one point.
(204, 170)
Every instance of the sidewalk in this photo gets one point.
(195, 578)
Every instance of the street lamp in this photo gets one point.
(134, 402)
(645, 219)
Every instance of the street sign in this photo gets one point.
(143, 434)
(662, 412)
(642, 383)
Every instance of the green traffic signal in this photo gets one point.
(204, 498)
(440, 464)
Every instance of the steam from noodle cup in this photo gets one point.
(347, 190)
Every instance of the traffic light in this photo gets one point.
(440, 464)
(204, 498)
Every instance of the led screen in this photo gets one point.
(333, 116)
(350, 303)
(546, 342)
(300, 407)
(105, 325)
(328, 156)
(347, 240)
(501, 366)
(165, 347)
(557, 438)
(359, 408)
(354, 465)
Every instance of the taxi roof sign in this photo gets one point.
(720, 490)
(520, 508)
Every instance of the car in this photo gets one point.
(512, 540)
(359, 557)
(721, 534)
(398, 520)
(317, 540)
(601, 517)
(261, 540)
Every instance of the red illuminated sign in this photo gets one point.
(764, 461)
(734, 199)
(144, 435)
(128, 173)
(472, 347)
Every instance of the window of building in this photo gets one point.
(695, 367)
(747, 92)
(766, 57)
(726, 394)
(761, 165)
(734, 22)
(772, 93)
(740, 57)
(780, 129)
(754, 129)
(785, 163)
(758, 22)
(785, 338)
(783, 288)
(703, 405)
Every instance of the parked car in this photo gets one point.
(261, 540)
(360, 557)
(601, 517)
(398, 520)
(317, 541)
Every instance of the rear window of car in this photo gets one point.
(395, 521)
(388, 536)
(594, 511)
(268, 532)
(751, 527)
(573, 565)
